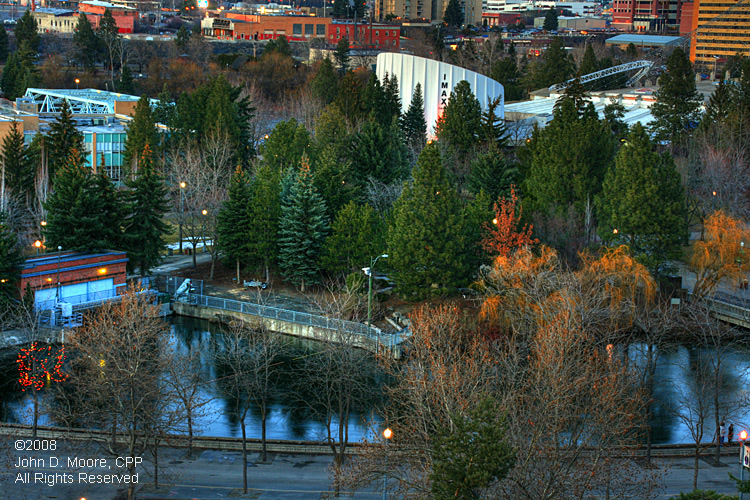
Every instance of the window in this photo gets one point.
(338, 30)
(377, 33)
(320, 29)
(296, 29)
(309, 29)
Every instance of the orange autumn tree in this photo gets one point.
(720, 256)
(503, 236)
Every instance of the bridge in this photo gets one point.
(642, 66)
(295, 323)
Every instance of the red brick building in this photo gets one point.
(82, 277)
(364, 35)
(647, 15)
(94, 10)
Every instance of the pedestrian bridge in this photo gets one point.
(295, 323)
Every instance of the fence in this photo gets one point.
(350, 327)
(174, 282)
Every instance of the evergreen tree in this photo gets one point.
(391, 97)
(350, 97)
(721, 105)
(3, 46)
(493, 133)
(234, 222)
(303, 228)
(148, 204)
(11, 260)
(86, 41)
(565, 162)
(63, 140)
(265, 212)
(76, 216)
(479, 215)
(589, 64)
(642, 199)
(472, 455)
(461, 121)
(280, 46)
(505, 71)
(454, 14)
(141, 132)
(550, 20)
(357, 234)
(324, 85)
(379, 153)
(426, 240)
(12, 77)
(677, 107)
(126, 84)
(19, 171)
(27, 32)
(182, 38)
(286, 145)
(108, 209)
(341, 55)
(334, 180)
(493, 173)
(330, 130)
(631, 53)
(556, 66)
(413, 124)
(164, 111)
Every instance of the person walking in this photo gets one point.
(730, 434)
(722, 433)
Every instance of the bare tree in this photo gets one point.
(248, 362)
(116, 377)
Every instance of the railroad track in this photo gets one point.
(18, 431)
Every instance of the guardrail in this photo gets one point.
(730, 312)
(302, 318)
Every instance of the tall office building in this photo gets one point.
(721, 29)
(647, 15)
(430, 10)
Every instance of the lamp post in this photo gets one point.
(743, 437)
(37, 245)
(57, 294)
(387, 434)
(368, 272)
(182, 189)
(77, 82)
(204, 212)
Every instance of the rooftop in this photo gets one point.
(54, 12)
(81, 101)
(106, 5)
(649, 40)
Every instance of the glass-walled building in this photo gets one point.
(105, 145)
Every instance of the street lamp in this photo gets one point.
(368, 272)
(38, 245)
(77, 82)
(57, 294)
(387, 434)
(743, 437)
(204, 212)
(182, 211)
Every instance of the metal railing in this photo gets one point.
(334, 325)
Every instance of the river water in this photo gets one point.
(675, 393)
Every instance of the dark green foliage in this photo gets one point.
(19, 171)
(722, 103)
(565, 162)
(473, 455)
(493, 133)
(3, 46)
(506, 72)
(642, 197)
(350, 99)
(413, 124)
(109, 35)
(87, 43)
(286, 145)
(334, 180)
(677, 109)
(126, 84)
(303, 228)
(234, 222)
(550, 20)
(265, 211)
(381, 101)
(324, 85)
(556, 66)
(27, 32)
(576, 93)
(341, 8)
(19, 73)
(631, 52)
(613, 115)
(279, 45)
(79, 216)
(454, 14)
(182, 38)
(479, 214)
(11, 259)
(341, 55)
(461, 121)
(378, 152)
(63, 140)
(492, 172)
(141, 132)
(357, 234)
(589, 64)
(109, 210)
(703, 495)
(147, 204)
(164, 112)
(426, 238)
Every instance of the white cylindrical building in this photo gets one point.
(437, 80)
